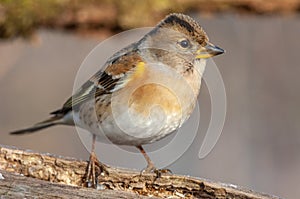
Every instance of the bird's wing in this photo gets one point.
(119, 71)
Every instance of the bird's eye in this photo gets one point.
(184, 43)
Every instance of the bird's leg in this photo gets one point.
(150, 166)
(94, 168)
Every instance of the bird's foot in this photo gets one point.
(152, 169)
(94, 169)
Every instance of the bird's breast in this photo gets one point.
(152, 95)
(147, 109)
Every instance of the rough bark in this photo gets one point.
(25, 174)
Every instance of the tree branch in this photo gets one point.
(53, 175)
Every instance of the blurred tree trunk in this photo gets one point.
(29, 175)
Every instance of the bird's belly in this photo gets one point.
(138, 118)
(132, 130)
(137, 131)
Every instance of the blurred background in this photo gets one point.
(43, 44)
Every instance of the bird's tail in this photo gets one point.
(56, 119)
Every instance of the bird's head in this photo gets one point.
(180, 35)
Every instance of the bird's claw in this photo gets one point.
(94, 169)
(158, 172)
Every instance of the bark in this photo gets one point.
(26, 174)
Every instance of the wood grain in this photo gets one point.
(63, 177)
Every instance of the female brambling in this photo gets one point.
(145, 92)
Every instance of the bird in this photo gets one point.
(143, 93)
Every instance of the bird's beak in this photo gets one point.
(208, 51)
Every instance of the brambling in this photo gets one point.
(145, 92)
